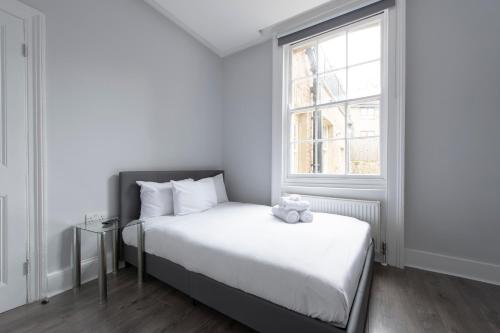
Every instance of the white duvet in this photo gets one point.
(312, 268)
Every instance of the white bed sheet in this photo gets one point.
(312, 268)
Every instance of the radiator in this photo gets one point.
(364, 210)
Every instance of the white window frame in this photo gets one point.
(390, 191)
(375, 181)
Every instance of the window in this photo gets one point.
(339, 108)
(334, 102)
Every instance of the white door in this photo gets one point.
(13, 163)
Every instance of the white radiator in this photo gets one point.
(364, 210)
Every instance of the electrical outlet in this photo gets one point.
(97, 217)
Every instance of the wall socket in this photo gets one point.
(97, 217)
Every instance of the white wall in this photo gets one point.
(247, 97)
(452, 128)
(127, 90)
(452, 143)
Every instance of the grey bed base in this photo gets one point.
(248, 309)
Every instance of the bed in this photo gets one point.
(241, 261)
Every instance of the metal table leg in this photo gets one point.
(101, 252)
(115, 251)
(140, 254)
(76, 259)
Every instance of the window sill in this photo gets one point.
(361, 192)
(364, 182)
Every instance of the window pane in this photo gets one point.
(301, 127)
(332, 53)
(364, 80)
(332, 122)
(303, 60)
(332, 157)
(301, 157)
(332, 87)
(303, 93)
(340, 139)
(364, 156)
(363, 44)
(363, 119)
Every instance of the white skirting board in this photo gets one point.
(466, 268)
(61, 281)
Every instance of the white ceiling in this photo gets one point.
(227, 26)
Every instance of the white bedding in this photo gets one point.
(312, 268)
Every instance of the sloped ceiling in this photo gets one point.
(227, 26)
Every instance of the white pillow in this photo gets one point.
(220, 188)
(156, 199)
(194, 197)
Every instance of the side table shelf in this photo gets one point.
(101, 229)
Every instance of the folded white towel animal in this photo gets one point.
(306, 216)
(295, 197)
(288, 203)
(289, 216)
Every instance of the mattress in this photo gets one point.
(311, 268)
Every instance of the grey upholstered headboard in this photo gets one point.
(130, 200)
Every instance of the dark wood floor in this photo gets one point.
(402, 301)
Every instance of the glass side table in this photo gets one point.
(100, 229)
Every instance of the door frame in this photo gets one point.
(36, 247)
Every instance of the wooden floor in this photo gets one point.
(402, 301)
